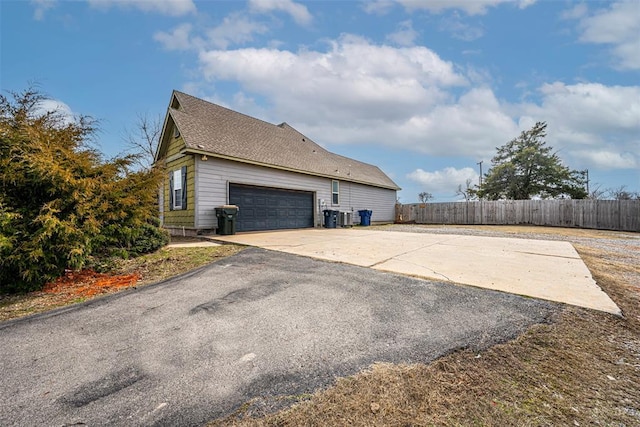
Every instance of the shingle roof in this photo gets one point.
(219, 131)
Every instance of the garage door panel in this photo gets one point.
(265, 208)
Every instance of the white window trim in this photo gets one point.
(336, 193)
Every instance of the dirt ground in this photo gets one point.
(582, 369)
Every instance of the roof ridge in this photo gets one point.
(229, 109)
(209, 127)
(284, 125)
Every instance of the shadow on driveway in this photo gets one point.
(257, 324)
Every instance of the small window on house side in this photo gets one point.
(177, 189)
(335, 192)
(176, 132)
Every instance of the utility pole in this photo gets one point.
(480, 163)
(586, 172)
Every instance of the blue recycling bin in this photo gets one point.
(365, 217)
(330, 218)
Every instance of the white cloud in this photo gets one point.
(40, 7)
(444, 181)
(378, 7)
(357, 92)
(405, 35)
(617, 26)
(592, 123)
(474, 125)
(58, 107)
(165, 7)
(605, 159)
(459, 29)
(593, 106)
(178, 39)
(614, 25)
(576, 12)
(589, 115)
(523, 4)
(353, 80)
(235, 29)
(470, 7)
(297, 11)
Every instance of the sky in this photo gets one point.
(424, 89)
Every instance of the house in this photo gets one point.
(279, 178)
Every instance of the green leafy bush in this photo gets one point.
(61, 204)
(149, 238)
(126, 242)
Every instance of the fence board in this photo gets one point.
(621, 215)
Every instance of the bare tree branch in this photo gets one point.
(468, 192)
(142, 142)
(621, 193)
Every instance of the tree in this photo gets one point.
(597, 192)
(61, 204)
(468, 192)
(424, 197)
(526, 167)
(621, 193)
(143, 142)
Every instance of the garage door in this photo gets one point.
(263, 208)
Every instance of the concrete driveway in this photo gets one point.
(549, 270)
(259, 324)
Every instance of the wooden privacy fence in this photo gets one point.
(621, 215)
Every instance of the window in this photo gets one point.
(335, 192)
(178, 189)
(176, 132)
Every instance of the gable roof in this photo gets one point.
(217, 131)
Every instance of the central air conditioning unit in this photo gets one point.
(345, 219)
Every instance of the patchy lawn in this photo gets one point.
(583, 369)
(76, 287)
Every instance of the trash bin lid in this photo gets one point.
(227, 209)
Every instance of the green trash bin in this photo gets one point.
(227, 216)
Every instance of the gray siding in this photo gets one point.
(213, 176)
(357, 196)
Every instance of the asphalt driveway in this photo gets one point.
(259, 324)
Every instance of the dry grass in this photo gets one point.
(525, 230)
(583, 369)
(151, 268)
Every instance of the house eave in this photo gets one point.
(157, 156)
(284, 168)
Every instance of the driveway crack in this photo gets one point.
(548, 255)
(415, 250)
